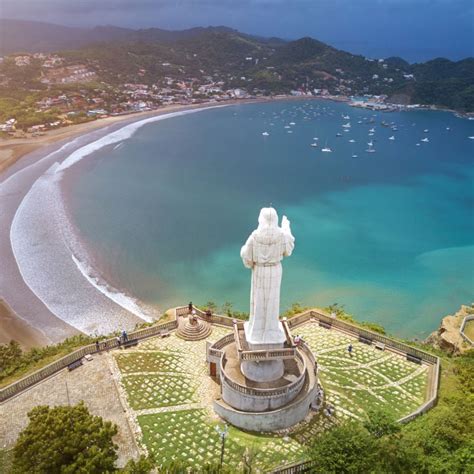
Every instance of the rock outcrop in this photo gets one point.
(448, 337)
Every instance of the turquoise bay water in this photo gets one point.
(388, 234)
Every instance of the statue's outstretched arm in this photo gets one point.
(289, 239)
(285, 225)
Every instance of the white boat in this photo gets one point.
(417, 144)
(292, 123)
(426, 130)
(354, 156)
(290, 131)
(346, 117)
(315, 139)
(265, 134)
(287, 126)
(314, 145)
(425, 140)
(372, 130)
(370, 149)
(392, 137)
(326, 150)
(371, 143)
(338, 134)
(371, 134)
(347, 125)
(351, 140)
(448, 128)
(471, 138)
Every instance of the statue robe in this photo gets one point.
(263, 252)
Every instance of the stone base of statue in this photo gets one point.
(261, 370)
(265, 371)
(265, 388)
(268, 382)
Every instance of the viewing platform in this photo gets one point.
(267, 405)
(244, 352)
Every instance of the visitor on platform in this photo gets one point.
(297, 340)
(349, 350)
(124, 336)
(190, 307)
(119, 341)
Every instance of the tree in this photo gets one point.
(211, 306)
(347, 448)
(227, 308)
(143, 465)
(65, 440)
(381, 422)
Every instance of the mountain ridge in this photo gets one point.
(264, 66)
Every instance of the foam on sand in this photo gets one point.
(54, 263)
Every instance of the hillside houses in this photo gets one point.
(68, 75)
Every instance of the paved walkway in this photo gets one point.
(166, 383)
(93, 382)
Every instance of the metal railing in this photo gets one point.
(308, 466)
(366, 333)
(295, 468)
(463, 327)
(54, 367)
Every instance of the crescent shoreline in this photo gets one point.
(23, 316)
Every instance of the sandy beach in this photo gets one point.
(23, 316)
(13, 149)
(13, 327)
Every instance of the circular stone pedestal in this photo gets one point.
(193, 329)
(264, 371)
(263, 406)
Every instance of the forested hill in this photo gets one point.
(236, 60)
(34, 37)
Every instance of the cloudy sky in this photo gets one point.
(414, 29)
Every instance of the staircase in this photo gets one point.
(193, 331)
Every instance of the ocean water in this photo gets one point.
(387, 234)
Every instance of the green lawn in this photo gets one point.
(168, 388)
(158, 390)
(190, 436)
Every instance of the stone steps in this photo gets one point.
(194, 332)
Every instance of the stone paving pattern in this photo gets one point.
(94, 383)
(159, 393)
(167, 384)
(370, 378)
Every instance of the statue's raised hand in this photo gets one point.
(285, 223)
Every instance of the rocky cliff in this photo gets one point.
(448, 337)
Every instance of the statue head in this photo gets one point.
(268, 218)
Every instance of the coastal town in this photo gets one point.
(66, 92)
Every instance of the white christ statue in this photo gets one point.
(263, 252)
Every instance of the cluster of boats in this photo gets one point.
(346, 127)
